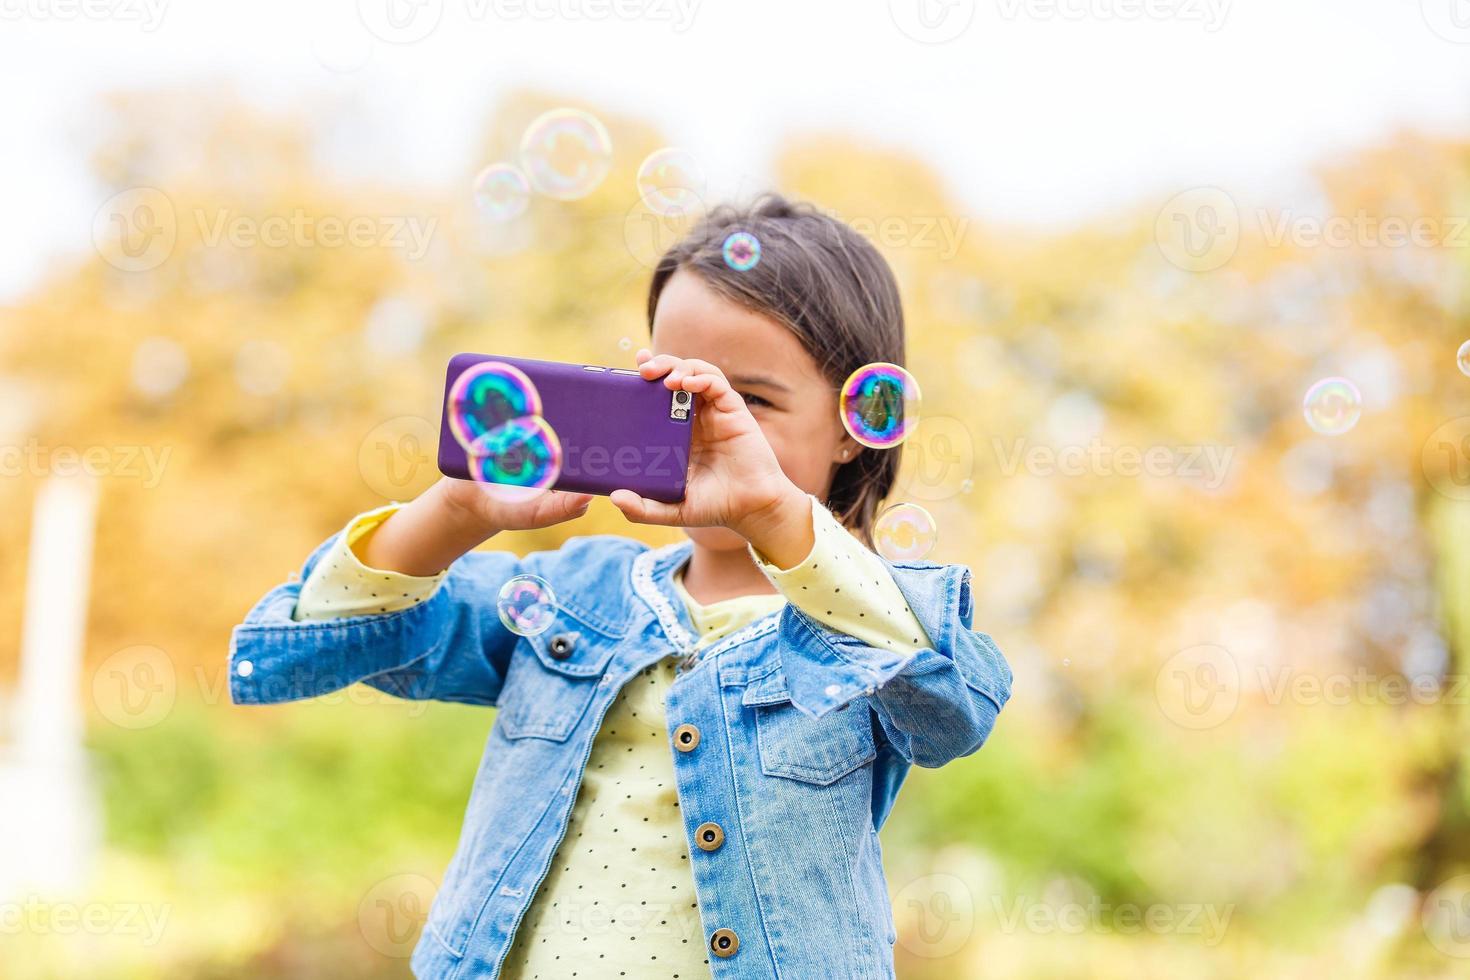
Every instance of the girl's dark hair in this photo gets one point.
(829, 286)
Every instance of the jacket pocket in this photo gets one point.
(553, 677)
(794, 745)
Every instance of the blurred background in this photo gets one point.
(1186, 282)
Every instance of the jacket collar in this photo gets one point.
(653, 580)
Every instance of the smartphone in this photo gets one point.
(606, 427)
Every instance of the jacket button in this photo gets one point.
(562, 645)
(686, 737)
(709, 836)
(724, 942)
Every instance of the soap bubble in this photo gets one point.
(742, 251)
(502, 192)
(1332, 406)
(1464, 358)
(625, 343)
(519, 458)
(880, 405)
(671, 182)
(486, 396)
(566, 153)
(527, 605)
(905, 532)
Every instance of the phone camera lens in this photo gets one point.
(681, 398)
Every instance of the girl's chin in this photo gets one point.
(715, 538)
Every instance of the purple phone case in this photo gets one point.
(615, 429)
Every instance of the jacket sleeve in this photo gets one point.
(936, 703)
(448, 647)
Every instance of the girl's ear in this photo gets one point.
(846, 451)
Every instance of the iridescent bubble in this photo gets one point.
(742, 251)
(486, 396)
(904, 532)
(1464, 358)
(520, 458)
(502, 192)
(671, 182)
(566, 153)
(880, 405)
(527, 605)
(1332, 406)
(625, 343)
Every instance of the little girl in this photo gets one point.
(687, 770)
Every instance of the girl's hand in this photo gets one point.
(735, 480)
(427, 534)
(479, 503)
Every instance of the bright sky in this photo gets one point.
(1038, 111)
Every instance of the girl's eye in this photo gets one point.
(753, 399)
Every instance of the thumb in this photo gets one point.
(641, 510)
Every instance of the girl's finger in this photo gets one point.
(643, 354)
(657, 365)
(716, 391)
(641, 510)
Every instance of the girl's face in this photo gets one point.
(794, 404)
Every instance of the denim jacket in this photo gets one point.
(792, 737)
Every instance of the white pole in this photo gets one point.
(48, 817)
